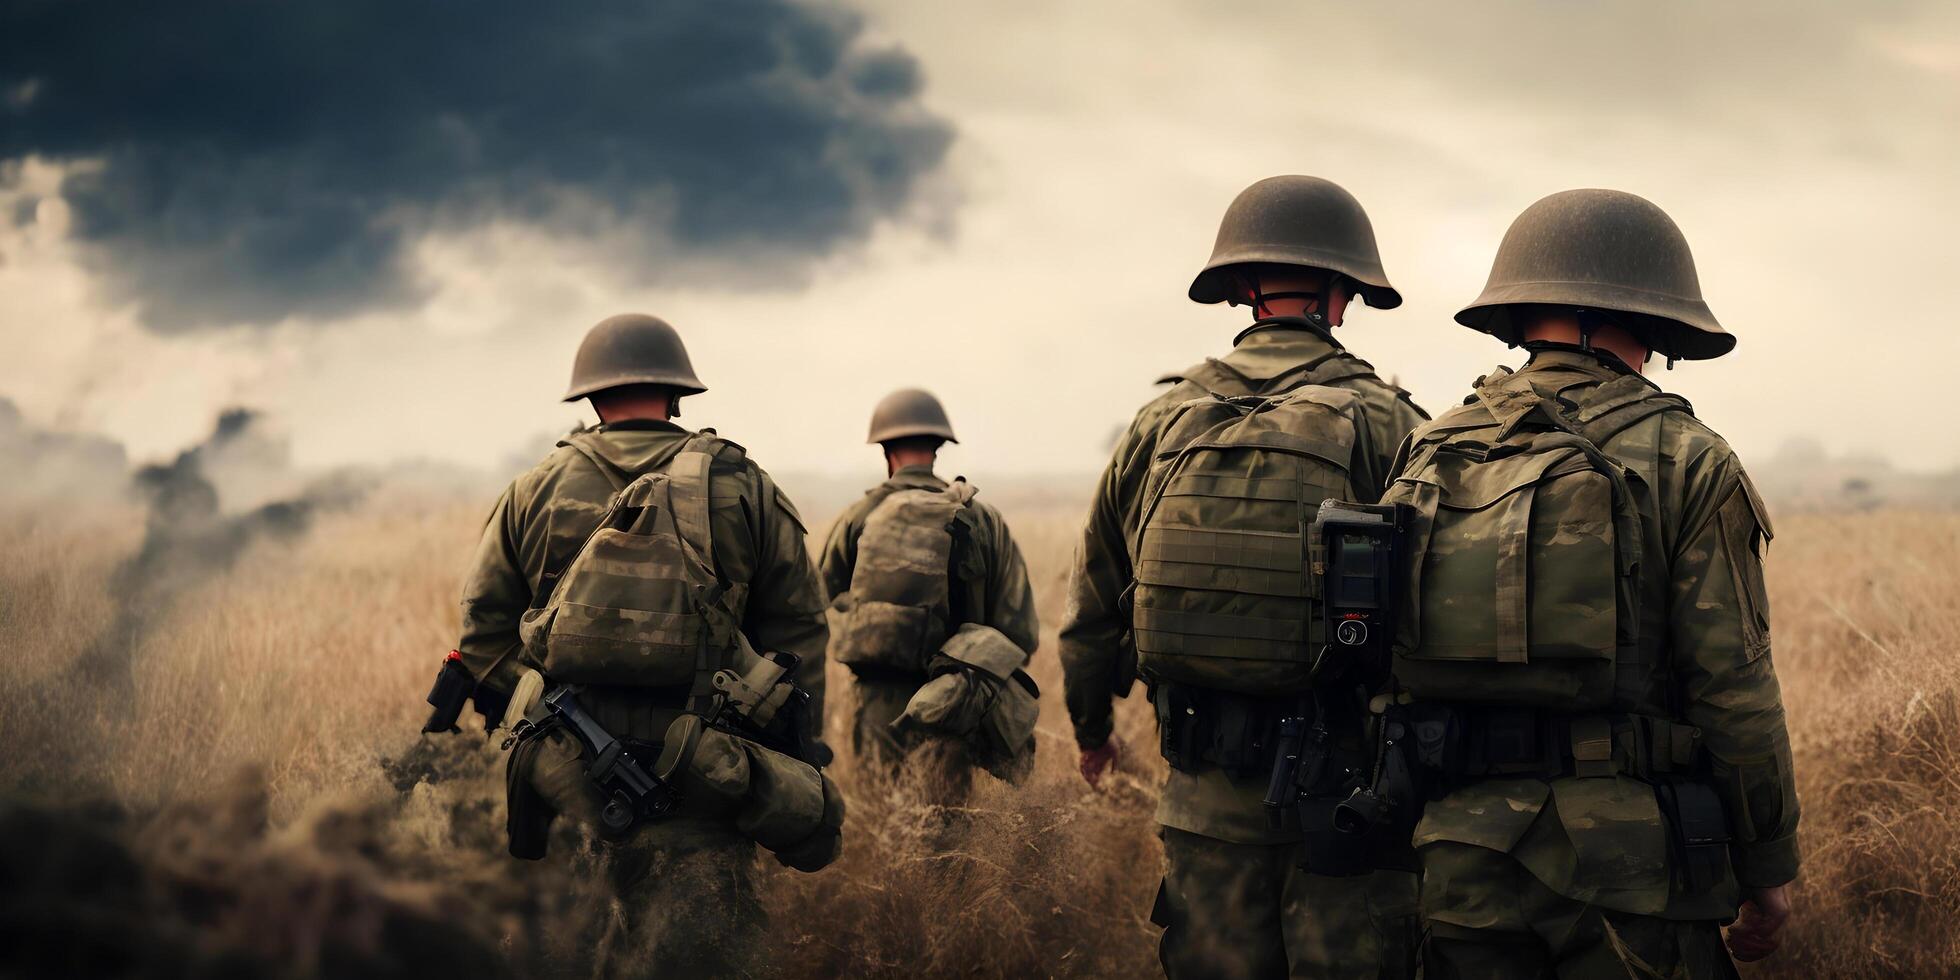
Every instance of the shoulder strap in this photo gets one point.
(689, 472)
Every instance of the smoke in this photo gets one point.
(233, 161)
(204, 509)
(43, 465)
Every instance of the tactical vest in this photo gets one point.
(642, 601)
(1521, 579)
(1222, 596)
(907, 583)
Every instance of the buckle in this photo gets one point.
(1592, 747)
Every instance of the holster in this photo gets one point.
(528, 815)
(1698, 833)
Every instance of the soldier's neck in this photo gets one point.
(907, 460)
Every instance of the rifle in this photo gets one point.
(632, 793)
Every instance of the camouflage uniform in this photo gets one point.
(1234, 902)
(1005, 599)
(1576, 876)
(694, 868)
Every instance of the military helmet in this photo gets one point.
(632, 349)
(909, 412)
(1295, 220)
(1604, 250)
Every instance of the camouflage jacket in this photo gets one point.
(1095, 635)
(1704, 650)
(1005, 597)
(547, 513)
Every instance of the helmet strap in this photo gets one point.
(1589, 321)
(1317, 317)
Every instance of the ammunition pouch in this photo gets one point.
(1698, 834)
(787, 806)
(1453, 745)
(1200, 728)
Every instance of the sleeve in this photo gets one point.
(1096, 650)
(1719, 624)
(1010, 596)
(839, 557)
(786, 606)
(496, 593)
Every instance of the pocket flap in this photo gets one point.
(1465, 483)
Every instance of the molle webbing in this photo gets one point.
(1524, 555)
(902, 602)
(1222, 597)
(644, 596)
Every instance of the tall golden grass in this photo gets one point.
(267, 771)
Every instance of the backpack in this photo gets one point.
(907, 580)
(1524, 541)
(1222, 598)
(642, 602)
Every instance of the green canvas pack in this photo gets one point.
(1523, 551)
(630, 608)
(980, 694)
(1222, 596)
(899, 609)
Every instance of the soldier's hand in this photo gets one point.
(1101, 759)
(1754, 934)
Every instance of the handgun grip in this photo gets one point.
(453, 687)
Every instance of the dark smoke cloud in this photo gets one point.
(191, 535)
(255, 160)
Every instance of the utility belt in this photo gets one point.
(1448, 746)
(1456, 744)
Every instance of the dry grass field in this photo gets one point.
(252, 797)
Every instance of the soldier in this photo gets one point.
(991, 589)
(1235, 901)
(1587, 650)
(685, 882)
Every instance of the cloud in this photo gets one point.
(234, 161)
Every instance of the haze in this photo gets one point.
(1058, 177)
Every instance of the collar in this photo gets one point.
(638, 425)
(1287, 323)
(1547, 355)
(916, 475)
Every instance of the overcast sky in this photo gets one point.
(1001, 202)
